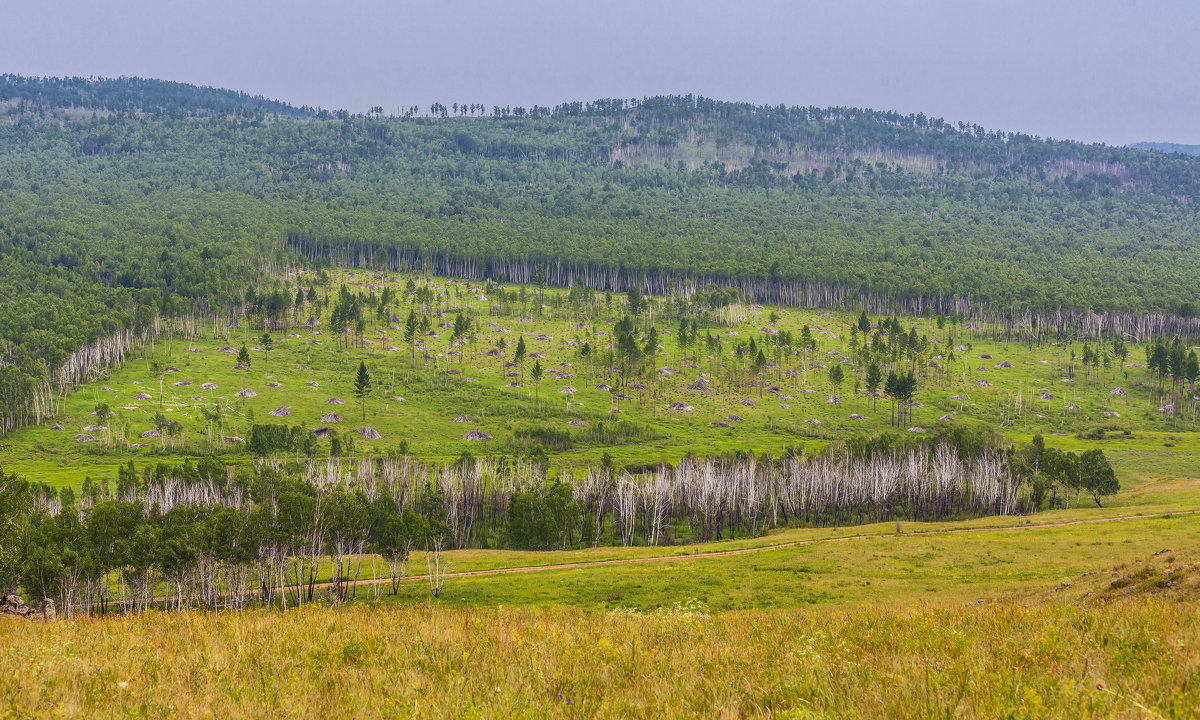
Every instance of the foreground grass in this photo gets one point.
(1127, 658)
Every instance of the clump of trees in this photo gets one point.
(206, 534)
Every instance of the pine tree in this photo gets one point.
(362, 387)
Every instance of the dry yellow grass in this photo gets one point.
(1129, 658)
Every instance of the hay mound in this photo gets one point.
(679, 407)
(228, 350)
(281, 411)
(322, 432)
(699, 385)
(274, 384)
(1117, 391)
(462, 419)
(84, 437)
(57, 427)
(151, 434)
(332, 418)
(577, 423)
(334, 401)
(246, 393)
(476, 434)
(719, 423)
(947, 418)
(916, 429)
(142, 396)
(208, 386)
(313, 383)
(734, 418)
(1003, 364)
(855, 416)
(182, 383)
(748, 402)
(369, 433)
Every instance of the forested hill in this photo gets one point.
(120, 199)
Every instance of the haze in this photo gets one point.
(1115, 72)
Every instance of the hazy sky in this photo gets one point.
(1116, 72)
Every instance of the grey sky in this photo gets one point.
(1098, 70)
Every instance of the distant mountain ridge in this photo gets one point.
(127, 94)
(1168, 147)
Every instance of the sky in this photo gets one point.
(1097, 71)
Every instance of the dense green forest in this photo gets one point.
(122, 200)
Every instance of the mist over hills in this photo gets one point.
(1168, 147)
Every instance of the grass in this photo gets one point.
(644, 432)
(1053, 659)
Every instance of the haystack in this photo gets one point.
(397, 398)
(281, 411)
(734, 418)
(182, 383)
(92, 428)
(568, 390)
(303, 367)
(241, 366)
(369, 433)
(855, 416)
(748, 402)
(637, 386)
(603, 387)
(313, 383)
(1003, 364)
(679, 407)
(84, 437)
(462, 419)
(151, 434)
(332, 418)
(983, 383)
(916, 429)
(577, 423)
(1168, 409)
(228, 350)
(1072, 406)
(476, 434)
(171, 368)
(322, 432)
(1111, 413)
(334, 401)
(946, 418)
(1117, 391)
(57, 427)
(106, 388)
(209, 386)
(275, 384)
(142, 396)
(232, 438)
(719, 423)
(785, 406)
(700, 384)
(246, 393)
(985, 356)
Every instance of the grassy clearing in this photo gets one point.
(1129, 658)
(645, 431)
